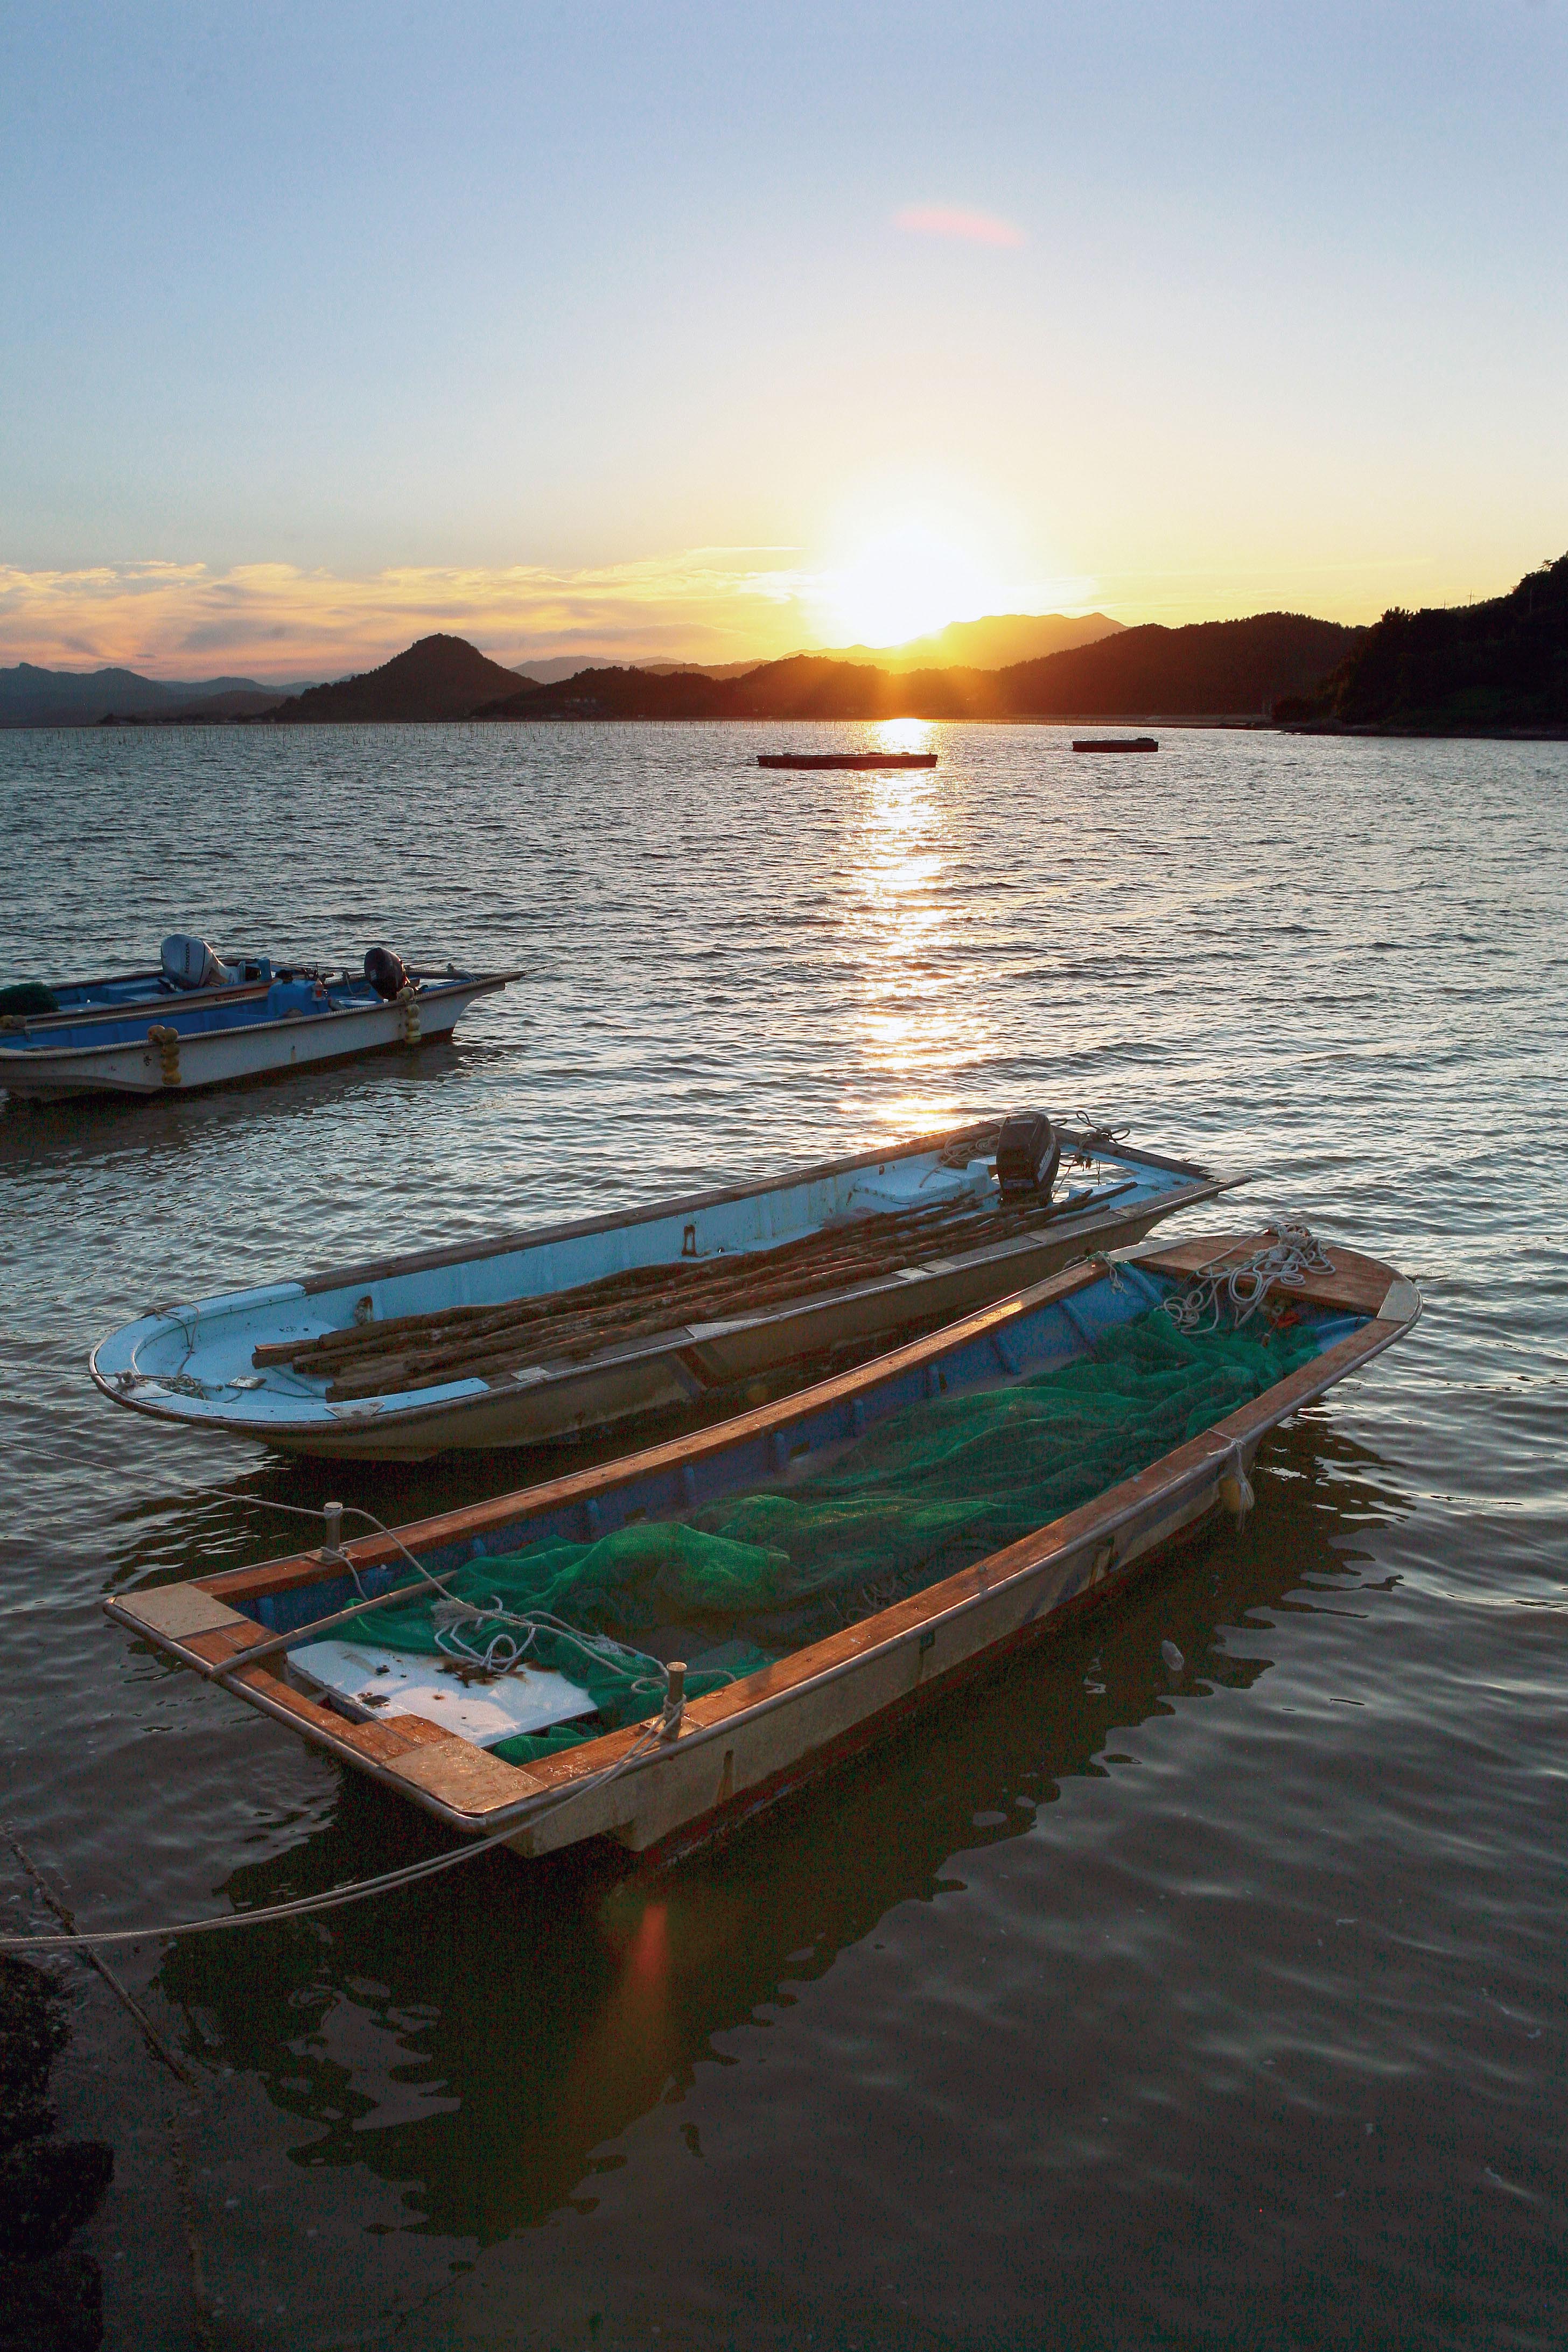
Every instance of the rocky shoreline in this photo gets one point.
(51, 2295)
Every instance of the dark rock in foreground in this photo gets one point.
(51, 2300)
(54, 2306)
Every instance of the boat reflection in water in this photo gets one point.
(477, 2042)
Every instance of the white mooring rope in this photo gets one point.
(1219, 1294)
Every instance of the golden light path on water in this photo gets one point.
(920, 1021)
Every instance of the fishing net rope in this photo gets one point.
(930, 1490)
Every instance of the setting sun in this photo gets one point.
(906, 583)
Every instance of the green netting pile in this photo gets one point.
(928, 1490)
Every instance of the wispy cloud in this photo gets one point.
(276, 620)
(957, 221)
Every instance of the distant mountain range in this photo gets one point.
(976, 645)
(1212, 669)
(999, 641)
(1461, 669)
(30, 696)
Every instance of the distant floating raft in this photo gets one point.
(848, 759)
(1117, 744)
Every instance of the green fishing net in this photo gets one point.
(930, 1489)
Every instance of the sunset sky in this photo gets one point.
(717, 330)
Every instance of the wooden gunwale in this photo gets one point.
(1162, 1502)
(385, 1269)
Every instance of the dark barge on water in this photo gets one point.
(846, 758)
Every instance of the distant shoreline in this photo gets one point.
(1212, 722)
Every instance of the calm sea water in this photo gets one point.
(1107, 2007)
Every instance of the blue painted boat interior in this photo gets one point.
(288, 996)
(211, 1342)
(1049, 1335)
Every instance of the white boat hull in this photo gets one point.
(221, 1057)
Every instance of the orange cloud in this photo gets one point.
(276, 620)
(953, 220)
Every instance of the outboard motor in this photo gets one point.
(189, 963)
(388, 973)
(1028, 1153)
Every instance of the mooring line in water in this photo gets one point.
(353, 1890)
(74, 1938)
(335, 1898)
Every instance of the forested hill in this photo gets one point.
(807, 685)
(1234, 668)
(439, 678)
(1230, 668)
(1455, 670)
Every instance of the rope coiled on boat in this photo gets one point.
(1224, 1295)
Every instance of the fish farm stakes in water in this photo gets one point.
(216, 1021)
(533, 1337)
(653, 1649)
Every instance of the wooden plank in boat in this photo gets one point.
(218, 1645)
(179, 1611)
(468, 1779)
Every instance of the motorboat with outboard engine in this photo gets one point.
(558, 1333)
(205, 1020)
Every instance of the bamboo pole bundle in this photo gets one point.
(334, 1349)
(424, 1350)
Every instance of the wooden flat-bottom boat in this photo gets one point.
(691, 1767)
(1117, 744)
(543, 1336)
(846, 759)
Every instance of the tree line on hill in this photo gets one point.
(1455, 670)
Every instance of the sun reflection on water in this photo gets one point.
(902, 930)
(904, 735)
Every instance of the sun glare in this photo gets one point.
(909, 583)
